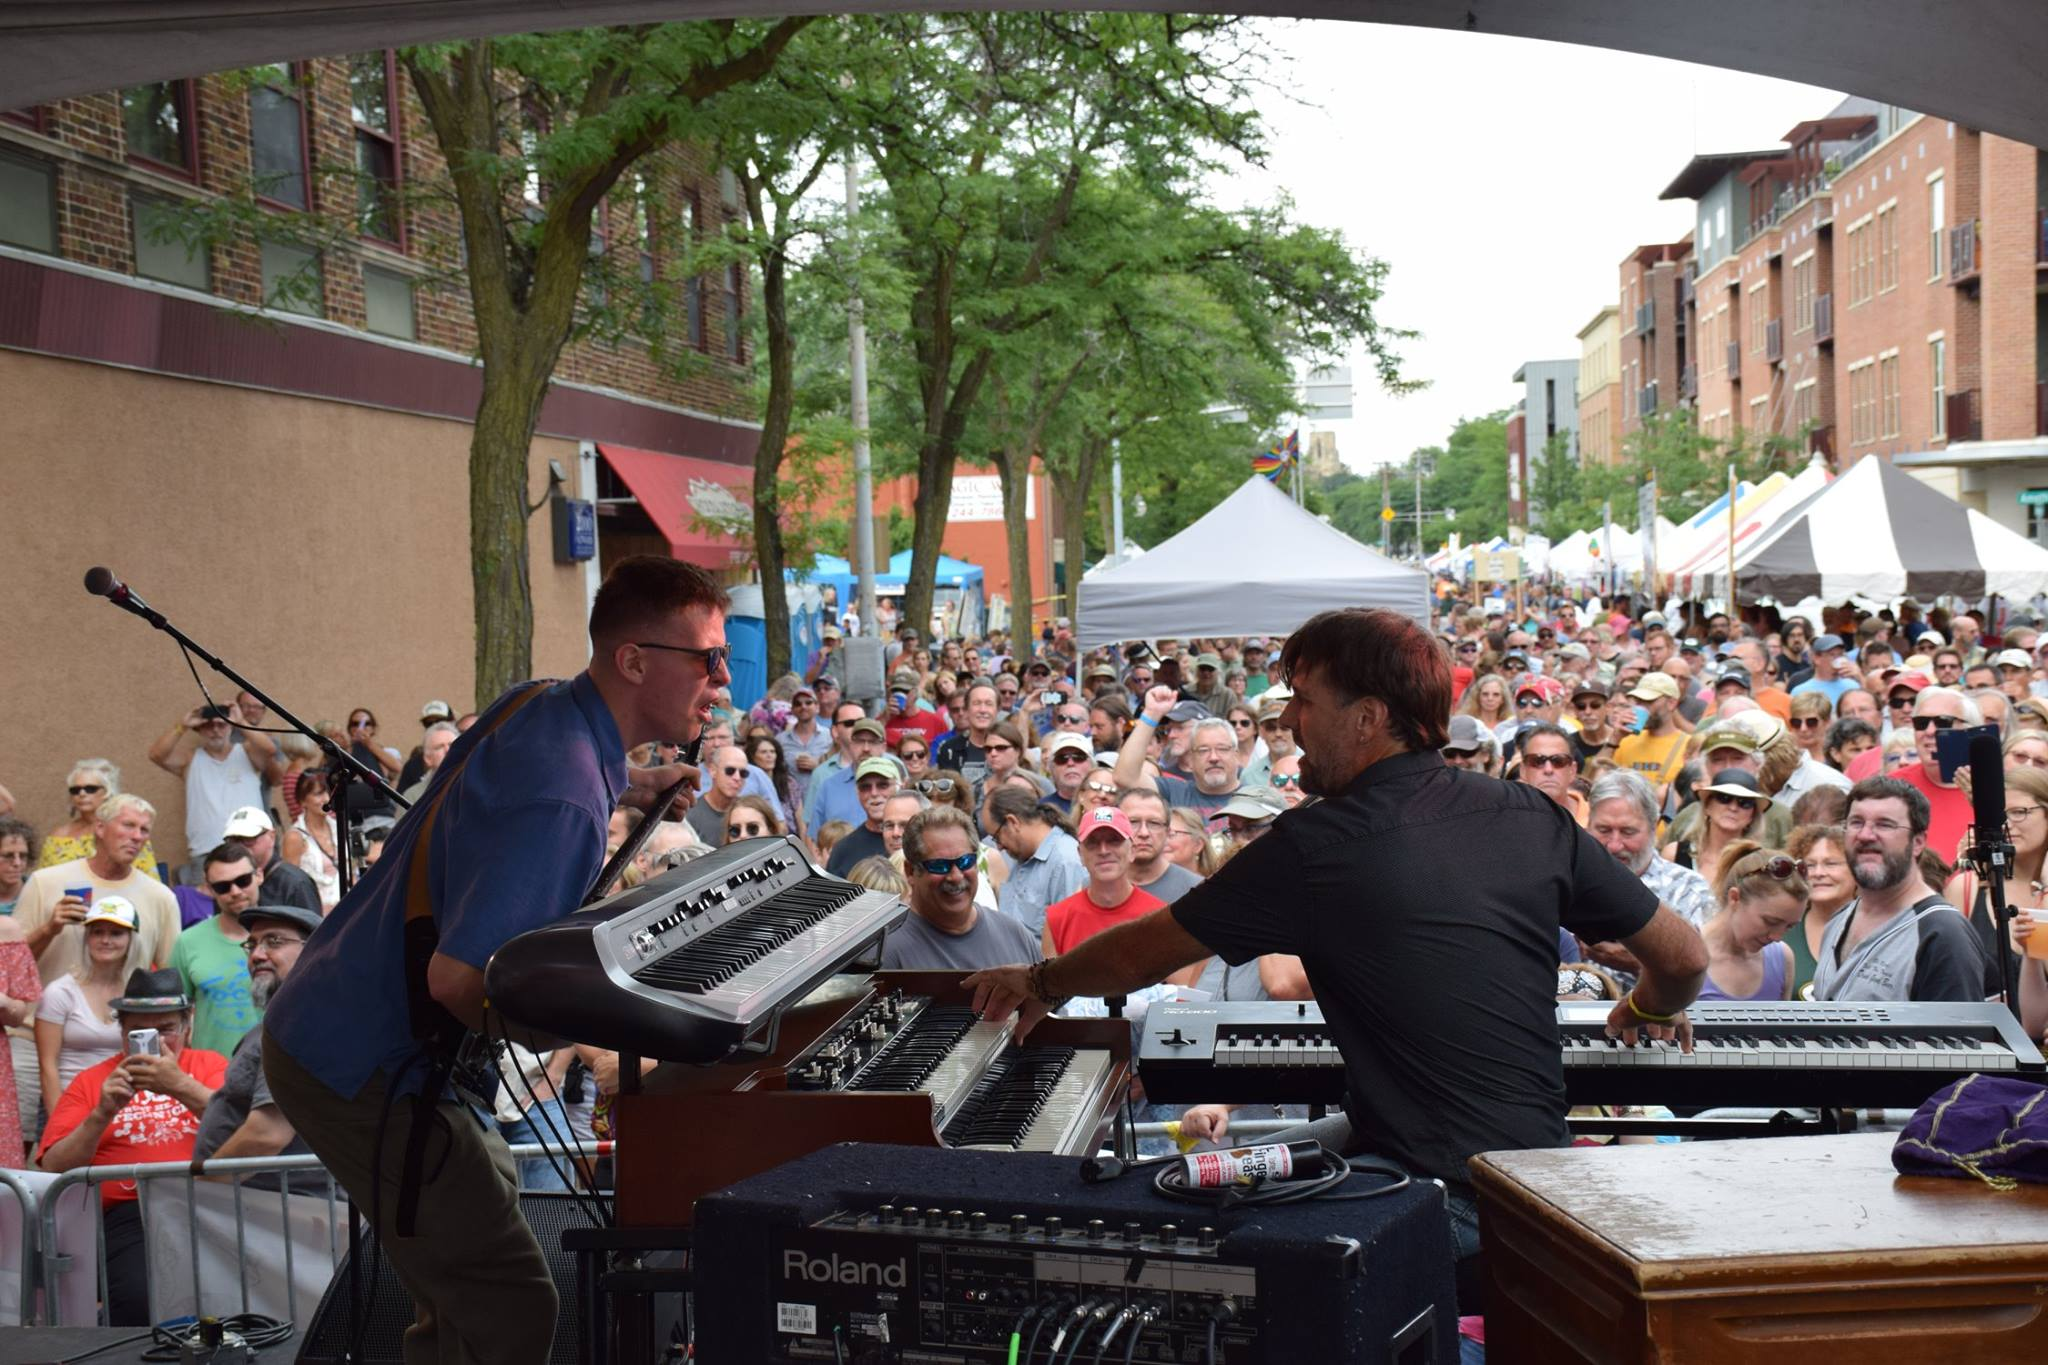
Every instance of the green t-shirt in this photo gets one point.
(216, 976)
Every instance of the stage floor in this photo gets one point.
(55, 1345)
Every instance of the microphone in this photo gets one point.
(100, 582)
(1987, 786)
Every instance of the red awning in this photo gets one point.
(697, 505)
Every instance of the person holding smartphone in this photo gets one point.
(907, 713)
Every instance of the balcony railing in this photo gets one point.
(1962, 253)
(1646, 316)
(1774, 340)
(1963, 420)
(1646, 399)
(1687, 288)
(1689, 382)
(1734, 362)
(1824, 318)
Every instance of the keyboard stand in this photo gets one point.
(1783, 1123)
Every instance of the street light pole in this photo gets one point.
(857, 363)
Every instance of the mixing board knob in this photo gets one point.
(886, 1214)
(1205, 1238)
(977, 1222)
(1096, 1229)
(1169, 1235)
(1053, 1226)
(956, 1218)
(1133, 1233)
(643, 943)
(1019, 1225)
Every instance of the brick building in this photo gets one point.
(1600, 391)
(272, 444)
(1655, 293)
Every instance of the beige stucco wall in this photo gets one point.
(319, 548)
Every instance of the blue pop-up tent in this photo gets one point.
(956, 581)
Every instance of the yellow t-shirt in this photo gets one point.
(65, 848)
(1658, 760)
(156, 914)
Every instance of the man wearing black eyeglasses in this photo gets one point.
(510, 837)
(946, 929)
(728, 779)
(1936, 709)
(242, 1118)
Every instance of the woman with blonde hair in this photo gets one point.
(92, 783)
(1188, 844)
(75, 1025)
(1762, 896)
(1822, 853)
(1487, 699)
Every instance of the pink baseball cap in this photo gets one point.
(1105, 818)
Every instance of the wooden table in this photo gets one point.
(1756, 1250)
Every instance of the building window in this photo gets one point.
(1937, 223)
(277, 137)
(693, 285)
(372, 83)
(158, 122)
(1887, 248)
(1805, 405)
(1757, 319)
(1888, 396)
(1804, 273)
(1758, 417)
(159, 253)
(291, 279)
(387, 303)
(735, 343)
(1862, 268)
(1862, 403)
(1937, 366)
(28, 203)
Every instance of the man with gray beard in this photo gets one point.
(1898, 940)
(241, 1119)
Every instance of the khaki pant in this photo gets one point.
(480, 1288)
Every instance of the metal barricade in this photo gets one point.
(30, 1261)
(45, 1262)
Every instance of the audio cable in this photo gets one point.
(1103, 1308)
(1074, 1320)
(1116, 1324)
(1147, 1315)
(1047, 1314)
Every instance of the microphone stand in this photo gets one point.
(343, 767)
(1992, 855)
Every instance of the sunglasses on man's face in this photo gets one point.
(939, 867)
(1937, 722)
(1065, 756)
(1807, 722)
(1549, 761)
(730, 771)
(1287, 779)
(241, 883)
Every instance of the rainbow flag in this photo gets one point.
(1283, 454)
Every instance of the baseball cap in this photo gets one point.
(1187, 711)
(1914, 680)
(437, 710)
(2014, 658)
(1651, 686)
(1057, 743)
(1689, 645)
(1214, 661)
(1575, 651)
(1734, 782)
(1653, 618)
(1923, 662)
(831, 632)
(1930, 639)
(1256, 802)
(295, 915)
(903, 677)
(877, 767)
(246, 822)
(1102, 671)
(1823, 643)
(1271, 706)
(1105, 818)
(1727, 734)
(112, 910)
(1039, 666)
(868, 725)
(1464, 734)
(803, 690)
(1592, 687)
(1738, 676)
(1549, 689)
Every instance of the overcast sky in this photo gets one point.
(1502, 180)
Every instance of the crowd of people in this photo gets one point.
(1777, 782)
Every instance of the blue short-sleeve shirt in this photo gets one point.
(519, 839)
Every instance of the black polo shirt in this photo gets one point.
(1425, 903)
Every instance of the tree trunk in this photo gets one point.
(768, 452)
(1074, 522)
(1014, 468)
(499, 446)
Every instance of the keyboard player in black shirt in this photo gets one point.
(1424, 902)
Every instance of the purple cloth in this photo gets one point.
(1777, 961)
(1992, 1127)
(193, 905)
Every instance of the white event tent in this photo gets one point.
(1255, 564)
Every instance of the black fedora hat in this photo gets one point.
(159, 992)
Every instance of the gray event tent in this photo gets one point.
(1254, 565)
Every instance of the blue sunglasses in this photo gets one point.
(939, 867)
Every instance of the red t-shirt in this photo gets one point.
(1461, 678)
(150, 1127)
(1077, 919)
(930, 724)
(1951, 815)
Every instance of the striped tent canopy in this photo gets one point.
(1879, 533)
